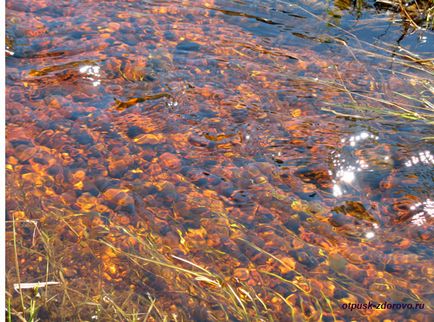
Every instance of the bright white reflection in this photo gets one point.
(337, 191)
(347, 175)
(92, 73)
(172, 103)
(370, 235)
(423, 209)
(345, 170)
(8, 49)
(424, 157)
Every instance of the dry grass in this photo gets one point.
(92, 297)
(411, 101)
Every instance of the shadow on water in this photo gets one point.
(217, 161)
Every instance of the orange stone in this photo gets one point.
(169, 160)
(242, 274)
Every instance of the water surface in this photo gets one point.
(282, 148)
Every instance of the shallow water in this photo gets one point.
(285, 148)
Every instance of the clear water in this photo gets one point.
(284, 147)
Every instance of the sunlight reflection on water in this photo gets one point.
(92, 73)
(424, 157)
(424, 209)
(345, 167)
